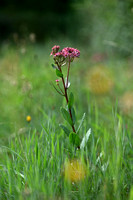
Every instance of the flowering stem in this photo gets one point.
(66, 96)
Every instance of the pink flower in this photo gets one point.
(57, 81)
(70, 52)
(59, 54)
(61, 57)
(55, 49)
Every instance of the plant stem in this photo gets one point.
(66, 95)
(57, 90)
(61, 89)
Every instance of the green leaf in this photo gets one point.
(65, 129)
(53, 66)
(82, 120)
(74, 139)
(73, 115)
(66, 116)
(58, 73)
(71, 100)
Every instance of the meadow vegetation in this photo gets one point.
(36, 157)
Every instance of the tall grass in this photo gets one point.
(33, 155)
(32, 166)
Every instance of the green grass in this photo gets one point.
(33, 155)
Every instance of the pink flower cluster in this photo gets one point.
(70, 52)
(55, 49)
(67, 52)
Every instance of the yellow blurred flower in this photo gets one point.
(100, 80)
(75, 170)
(28, 118)
(126, 102)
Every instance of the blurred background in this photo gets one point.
(103, 25)
(102, 30)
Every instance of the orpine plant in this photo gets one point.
(61, 58)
